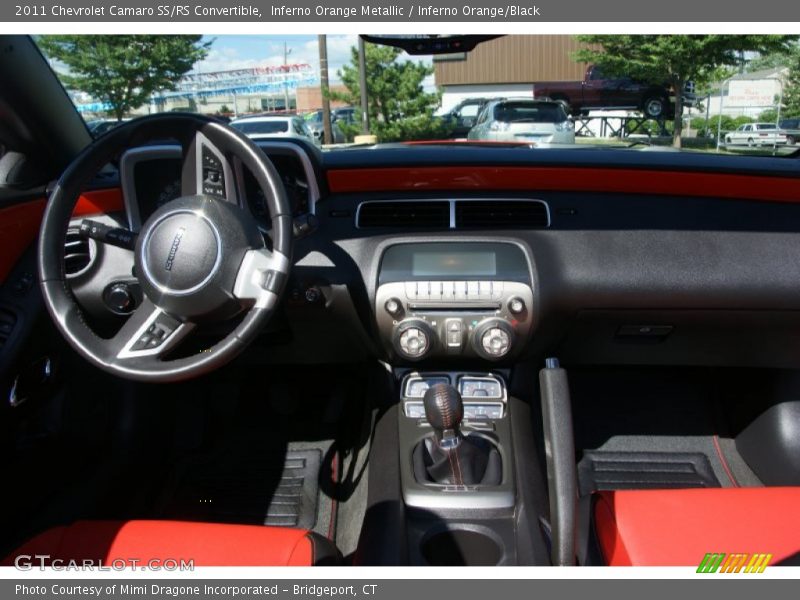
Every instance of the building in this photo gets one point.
(310, 98)
(507, 66)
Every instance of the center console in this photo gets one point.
(450, 315)
(452, 300)
(457, 468)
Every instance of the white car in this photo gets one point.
(274, 126)
(756, 134)
(523, 120)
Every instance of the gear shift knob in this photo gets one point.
(443, 409)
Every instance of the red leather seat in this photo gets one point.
(678, 527)
(207, 544)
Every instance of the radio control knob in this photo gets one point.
(413, 339)
(394, 307)
(493, 339)
(516, 305)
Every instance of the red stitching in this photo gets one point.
(334, 478)
(728, 472)
(458, 464)
(452, 466)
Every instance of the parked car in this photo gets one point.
(463, 115)
(314, 123)
(599, 91)
(792, 129)
(756, 134)
(344, 114)
(276, 126)
(524, 120)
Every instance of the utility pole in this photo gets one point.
(362, 83)
(322, 41)
(286, 52)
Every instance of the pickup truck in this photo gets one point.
(792, 129)
(598, 91)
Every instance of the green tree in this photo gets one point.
(675, 59)
(791, 90)
(399, 108)
(124, 71)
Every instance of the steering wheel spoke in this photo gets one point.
(206, 170)
(149, 332)
(261, 277)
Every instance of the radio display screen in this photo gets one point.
(454, 261)
(454, 264)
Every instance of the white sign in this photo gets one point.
(752, 93)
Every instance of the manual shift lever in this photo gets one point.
(448, 457)
(444, 410)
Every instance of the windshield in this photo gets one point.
(261, 127)
(604, 92)
(531, 112)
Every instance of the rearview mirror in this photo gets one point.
(430, 44)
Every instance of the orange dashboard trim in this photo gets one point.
(566, 179)
(19, 224)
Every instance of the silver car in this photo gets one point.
(523, 120)
(274, 126)
(756, 134)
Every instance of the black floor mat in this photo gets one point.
(276, 488)
(606, 470)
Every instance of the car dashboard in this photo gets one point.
(623, 257)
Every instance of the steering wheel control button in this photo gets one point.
(516, 305)
(156, 333)
(213, 178)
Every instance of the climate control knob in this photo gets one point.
(492, 339)
(413, 338)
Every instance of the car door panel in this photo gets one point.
(19, 223)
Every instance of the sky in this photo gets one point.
(246, 51)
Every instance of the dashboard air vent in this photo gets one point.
(8, 319)
(78, 253)
(433, 214)
(501, 214)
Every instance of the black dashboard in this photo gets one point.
(716, 277)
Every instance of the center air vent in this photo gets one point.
(500, 214)
(411, 214)
(78, 253)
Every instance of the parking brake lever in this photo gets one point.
(559, 447)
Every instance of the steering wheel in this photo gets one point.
(198, 259)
